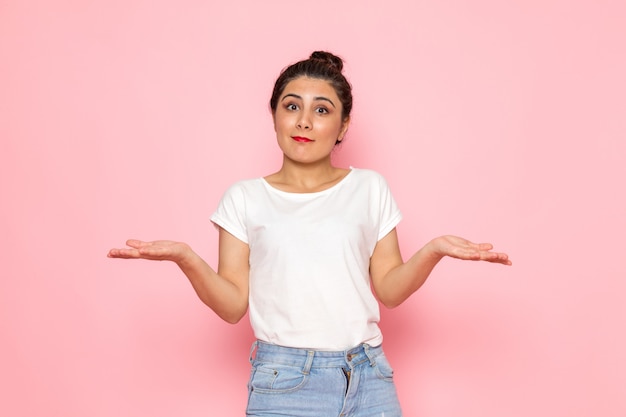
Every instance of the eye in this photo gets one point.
(321, 110)
(291, 106)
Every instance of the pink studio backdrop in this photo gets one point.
(499, 121)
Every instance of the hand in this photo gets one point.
(459, 248)
(158, 250)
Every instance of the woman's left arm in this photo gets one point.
(395, 280)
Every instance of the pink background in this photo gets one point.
(500, 121)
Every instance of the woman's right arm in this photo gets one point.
(224, 291)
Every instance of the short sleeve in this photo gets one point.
(231, 213)
(389, 213)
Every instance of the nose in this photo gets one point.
(304, 122)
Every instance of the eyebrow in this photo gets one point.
(314, 98)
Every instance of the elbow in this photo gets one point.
(389, 300)
(392, 297)
(391, 303)
(230, 310)
(388, 297)
(233, 317)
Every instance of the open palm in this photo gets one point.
(158, 250)
(457, 247)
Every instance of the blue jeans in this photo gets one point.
(289, 382)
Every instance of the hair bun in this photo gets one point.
(329, 59)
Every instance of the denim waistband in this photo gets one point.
(310, 358)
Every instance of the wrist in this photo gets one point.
(186, 256)
(433, 250)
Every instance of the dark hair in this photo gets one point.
(321, 65)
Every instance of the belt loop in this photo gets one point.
(254, 346)
(370, 355)
(309, 362)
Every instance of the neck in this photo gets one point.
(298, 177)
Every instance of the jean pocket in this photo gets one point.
(383, 368)
(274, 378)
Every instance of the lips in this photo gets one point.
(301, 139)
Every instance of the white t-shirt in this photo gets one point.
(309, 258)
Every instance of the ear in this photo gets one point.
(344, 128)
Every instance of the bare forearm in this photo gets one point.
(222, 296)
(225, 293)
(403, 280)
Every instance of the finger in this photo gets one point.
(482, 246)
(150, 250)
(123, 253)
(469, 254)
(497, 257)
(136, 243)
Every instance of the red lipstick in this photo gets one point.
(301, 139)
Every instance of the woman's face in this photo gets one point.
(308, 120)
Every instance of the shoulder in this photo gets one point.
(368, 176)
(243, 188)
(247, 184)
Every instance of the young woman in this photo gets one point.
(305, 249)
